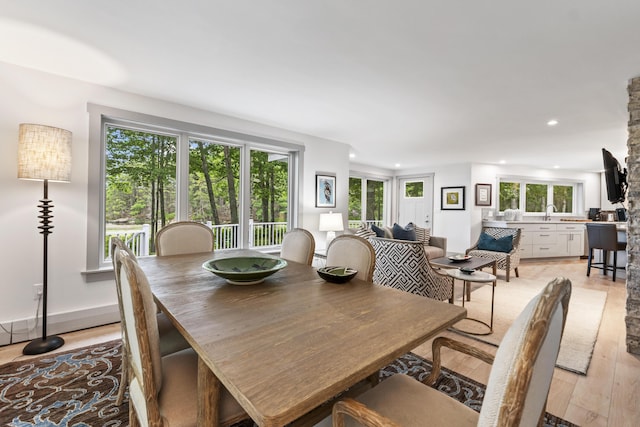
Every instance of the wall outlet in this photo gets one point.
(37, 291)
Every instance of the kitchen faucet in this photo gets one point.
(547, 215)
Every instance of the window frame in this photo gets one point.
(386, 185)
(578, 193)
(100, 116)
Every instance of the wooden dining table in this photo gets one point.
(287, 345)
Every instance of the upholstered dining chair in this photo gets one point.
(352, 251)
(184, 237)
(298, 245)
(506, 258)
(171, 340)
(605, 238)
(517, 388)
(162, 389)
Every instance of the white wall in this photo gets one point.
(462, 228)
(33, 97)
(454, 225)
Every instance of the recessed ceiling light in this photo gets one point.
(552, 122)
(352, 156)
(556, 166)
(502, 162)
(397, 165)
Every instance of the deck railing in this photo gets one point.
(263, 235)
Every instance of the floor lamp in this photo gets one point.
(44, 154)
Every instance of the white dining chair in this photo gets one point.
(163, 390)
(171, 340)
(517, 389)
(352, 251)
(298, 245)
(184, 237)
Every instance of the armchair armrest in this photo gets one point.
(439, 242)
(462, 347)
(360, 412)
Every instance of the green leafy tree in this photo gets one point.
(140, 176)
(375, 200)
(509, 195)
(355, 199)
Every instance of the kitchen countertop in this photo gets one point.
(619, 224)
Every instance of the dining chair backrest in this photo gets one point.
(523, 367)
(141, 330)
(117, 246)
(298, 245)
(184, 237)
(352, 251)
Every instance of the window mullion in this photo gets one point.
(245, 196)
(182, 177)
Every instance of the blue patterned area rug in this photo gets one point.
(78, 388)
(74, 388)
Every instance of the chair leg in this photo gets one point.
(133, 418)
(124, 378)
(615, 264)
(604, 262)
(517, 272)
(508, 270)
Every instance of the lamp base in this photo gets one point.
(43, 345)
(330, 236)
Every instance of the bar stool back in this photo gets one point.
(605, 238)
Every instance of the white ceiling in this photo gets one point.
(410, 82)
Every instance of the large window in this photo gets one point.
(152, 171)
(536, 197)
(366, 201)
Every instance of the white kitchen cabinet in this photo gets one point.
(548, 239)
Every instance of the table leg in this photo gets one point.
(209, 390)
(466, 286)
(493, 292)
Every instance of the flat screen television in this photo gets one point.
(615, 178)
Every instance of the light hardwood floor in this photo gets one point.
(606, 396)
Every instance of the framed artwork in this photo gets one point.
(483, 194)
(325, 191)
(452, 199)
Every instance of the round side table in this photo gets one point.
(476, 277)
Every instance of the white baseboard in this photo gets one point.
(59, 323)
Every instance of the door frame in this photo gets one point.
(400, 193)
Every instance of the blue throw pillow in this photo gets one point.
(379, 231)
(488, 243)
(406, 233)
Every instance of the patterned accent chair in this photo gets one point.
(504, 260)
(403, 264)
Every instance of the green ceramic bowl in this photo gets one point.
(244, 270)
(337, 274)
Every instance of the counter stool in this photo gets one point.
(605, 238)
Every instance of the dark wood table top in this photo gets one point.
(287, 345)
(474, 263)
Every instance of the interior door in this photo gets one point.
(415, 201)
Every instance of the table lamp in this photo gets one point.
(331, 222)
(44, 153)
